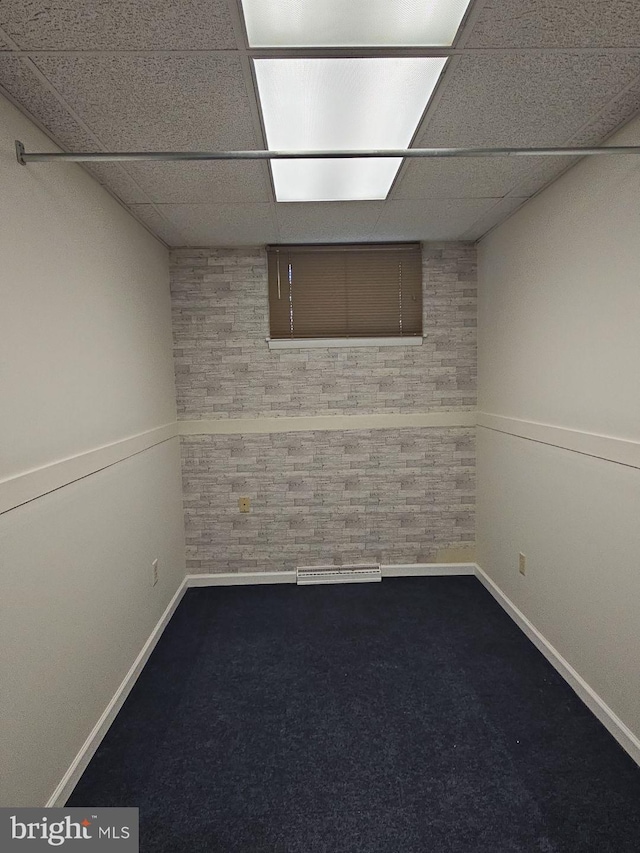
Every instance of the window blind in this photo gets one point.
(345, 291)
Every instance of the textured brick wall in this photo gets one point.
(225, 369)
(395, 496)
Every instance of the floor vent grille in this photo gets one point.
(338, 574)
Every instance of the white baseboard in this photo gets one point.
(427, 570)
(240, 578)
(86, 752)
(621, 732)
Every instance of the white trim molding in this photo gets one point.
(610, 720)
(240, 426)
(428, 570)
(425, 570)
(315, 343)
(79, 764)
(620, 450)
(240, 578)
(29, 485)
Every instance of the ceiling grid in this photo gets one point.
(51, 113)
(166, 76)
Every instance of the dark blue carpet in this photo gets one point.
(409, 716)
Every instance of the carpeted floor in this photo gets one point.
(408, 716)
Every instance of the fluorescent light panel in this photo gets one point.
(351, 104)
(351, 23)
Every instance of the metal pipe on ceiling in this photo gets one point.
(25, 157)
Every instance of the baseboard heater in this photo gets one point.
(338, 574)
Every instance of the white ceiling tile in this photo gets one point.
(444, 219)
(615, 114)
(118, 24)
(549, 23)
(158, 224)
(223, 224)
(497, 214)
(460, 178)
(211, 182)
(115, 177)
(308, 222)
(543, 171)
(160, 102)
(529, 99)
(163, 182)
(22, 85)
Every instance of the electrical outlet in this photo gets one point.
(154, 572)
(522, 564)
(244, 504)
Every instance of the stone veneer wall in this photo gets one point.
(394, 495)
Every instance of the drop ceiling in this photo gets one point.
(135, 75)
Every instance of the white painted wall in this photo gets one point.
(559, 344)
(85, 360)
(85, 347)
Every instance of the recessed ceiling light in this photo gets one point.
(351, 23)
(350, 104)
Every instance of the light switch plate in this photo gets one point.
(522, 564)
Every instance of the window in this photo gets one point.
(368, 291)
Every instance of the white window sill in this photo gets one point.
(313, 343)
